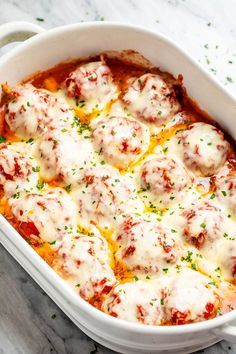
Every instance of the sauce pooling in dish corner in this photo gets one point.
(124, 187)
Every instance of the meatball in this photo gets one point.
(121, 140)
(103, 196)
(52, 213)
(164, 178)
(226, 191)
(64, 156)
(189, 298)
(18, 169)
(13, 164)
(204, 148)
(145, 245)
(136, 302)
(149, 98)
(227, 257)
(224, 253)
(92, 83)
(232, 262)
(85, 261)
(31, 111)
(204, 223)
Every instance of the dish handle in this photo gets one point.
(17, 32)
(227, 332)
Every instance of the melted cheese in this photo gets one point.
(64, 155)
(163, 180)
(126, 211)
(188, 296)
(225, 190)
(53, 213)
(18, 168)
(204, 148)
(145, 245)
(121, 140)
(149, 98)
(136, 302)
(84, 262)
(180, 298)
(32, 111)
(103, 196)
(92, 84)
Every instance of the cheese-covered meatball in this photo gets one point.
(53, 213)
(149, 98)
(145, 245)
(189, 298)
(225, 253)
(92, 83)
(103, 196)
(84, 261)
(232, 261)
(121, 140)
(204, 148)
(204, 223)
(226, 191)
(31, 111)
(64, 156)
(164, 178)
(18, 169)
(138, 301)
(13, 164)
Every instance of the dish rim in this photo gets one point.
(69, 294)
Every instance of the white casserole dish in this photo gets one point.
(42, 52)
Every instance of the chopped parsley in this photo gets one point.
(219, 313)
(188, 258)
(36, 169)
(30, 141)
(68, 188)
(16, 195)
(212, 283)
(52, 243)
(229, 79)
(2, 139)
(40, 184)
(193, 266)
(165, 149)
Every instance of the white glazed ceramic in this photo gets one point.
(42, 52)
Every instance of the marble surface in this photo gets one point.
(30, 323)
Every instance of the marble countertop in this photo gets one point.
(30, 323)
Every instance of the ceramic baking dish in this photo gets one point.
(42, 51)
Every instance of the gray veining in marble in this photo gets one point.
(30, 323)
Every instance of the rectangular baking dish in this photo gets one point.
(44, 50)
